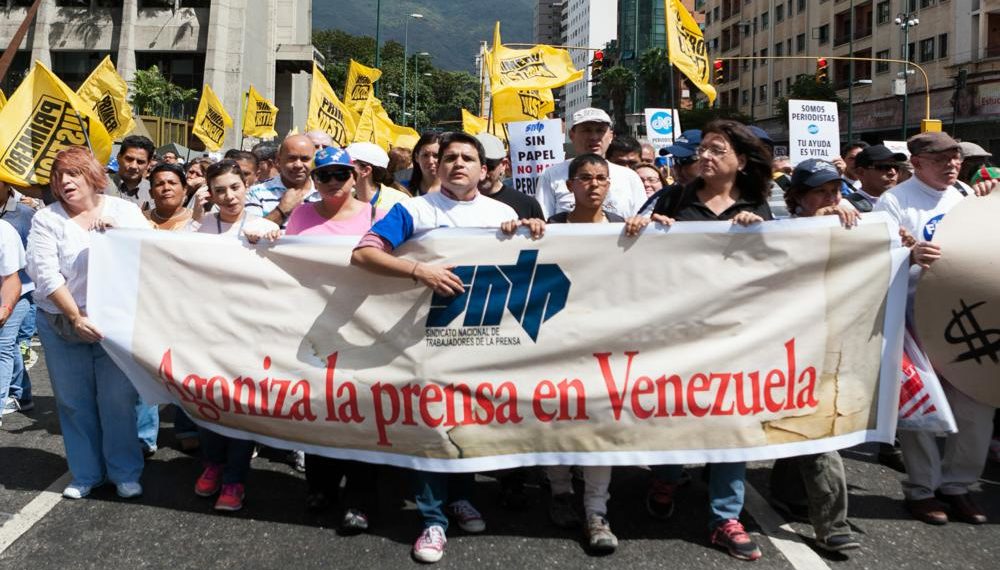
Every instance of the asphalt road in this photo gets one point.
(170, 527)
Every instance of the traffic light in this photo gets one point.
(822, 74)
(597, 66)
(720, 71)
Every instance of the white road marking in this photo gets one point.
(781, 534)
(23, 520)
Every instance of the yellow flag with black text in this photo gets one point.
(107, 94)
(686, 47)
(43, 117)
(259, 116)
(360, 85)
(538, 67)
(211, 120)
(511, 106)
(327, 113)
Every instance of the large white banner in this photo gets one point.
(704, 342)
(534, 146)
(813, 130)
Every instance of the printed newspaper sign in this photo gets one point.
(534, 146)
(813, 130)
(773, 341)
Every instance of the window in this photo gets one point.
(912, 6)
(788, 46)
(779, 13)
(708, 18)
(926, 50)
(911, 50)
(823, 34)
(779, 49)
(800, 43)
(882, 66)
(777, 88)
(802, 6)
(926, 3)
(763, 53)
(943, 46)
(765, 20)
(744, 97)
(882, 12)
(790, 12)
(746, 64)
(762, 93)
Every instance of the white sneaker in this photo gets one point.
(429, 546)
(467, 517)
(76, 491)
(599, 535)
(10, 405)
(128, 490)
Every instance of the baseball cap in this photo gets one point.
(875, 153)
(931, 142)
(591, 115)
(368, 152)
(684, 146)
(973, 150)
(814, 172)
(761, 134)
(112, 164)
(332, 156)
(492, 145)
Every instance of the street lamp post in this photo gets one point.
(406, 38)
(378, 37)
(416, 83)
(906, 21)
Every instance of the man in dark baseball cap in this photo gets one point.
(877, 168)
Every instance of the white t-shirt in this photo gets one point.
(625, 195)
(58, 249)
(918, 208)
(12, 258)
(211, 224)
(437, 210)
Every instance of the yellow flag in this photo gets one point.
(43, 117)
(474, 125)
(107, 94)
(539, 67)
(258, 117)
(360, 85)
(327, 113)
(511, 106)
(686, 47)
(3, 100)
(211, 120)
(404, 137)
(375, 125)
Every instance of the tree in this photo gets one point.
(616, 83)
(806, 87)
(654, 72)
(153, 94)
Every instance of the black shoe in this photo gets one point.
(838, 542)
(892, 459)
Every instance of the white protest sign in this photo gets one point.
(813, 130)
(897, 146)
(662, 127)
(534, 146)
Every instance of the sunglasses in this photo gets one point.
(326, 175)
(885, 167)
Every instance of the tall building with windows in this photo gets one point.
(951, 38)
(591, 25)
(224, 43)
(547, 21)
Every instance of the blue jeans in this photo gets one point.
(233, 454)
(20, 384)
(11, 365)
(184, 426)
(96, 404)
(726, 487)
(432, 492)
(147, 424)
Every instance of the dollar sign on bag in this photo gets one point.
(981, 343)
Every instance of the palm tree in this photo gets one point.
(654, 70)
(617, 83)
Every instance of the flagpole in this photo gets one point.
(673, 104)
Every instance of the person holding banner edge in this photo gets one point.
(460, 167)
(95, 400)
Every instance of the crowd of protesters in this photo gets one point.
(307, 186)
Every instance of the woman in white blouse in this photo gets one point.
(95, 399)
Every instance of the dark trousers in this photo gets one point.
(323, 475)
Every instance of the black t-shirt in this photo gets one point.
(524, 205)
(563, 218)
(685, 206)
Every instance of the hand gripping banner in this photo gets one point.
(704, 342)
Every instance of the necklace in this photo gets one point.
(161, 219)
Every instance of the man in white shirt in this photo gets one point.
(591, 133)
(918, 205)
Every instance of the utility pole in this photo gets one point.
(905, 21)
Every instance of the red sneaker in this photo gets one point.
(734, 538)
(209, 481)
(231, 497)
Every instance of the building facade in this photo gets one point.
(590, 25)
(548, 22)
(951, 38)
(228, 44)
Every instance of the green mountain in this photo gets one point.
(450, 30)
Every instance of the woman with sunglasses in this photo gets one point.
(734, 178)
(337, 213)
